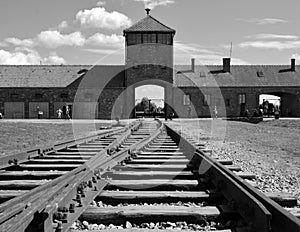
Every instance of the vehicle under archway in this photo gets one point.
(149, 101)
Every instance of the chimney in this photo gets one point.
(147, 11)
(226, 64)
(193, 64)
(293, 64)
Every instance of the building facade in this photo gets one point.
(108, 91)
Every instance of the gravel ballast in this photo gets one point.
(269, 149)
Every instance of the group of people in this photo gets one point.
(264, 109)
(65, 112)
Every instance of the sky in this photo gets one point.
(91, 31)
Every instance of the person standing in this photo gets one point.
(67, 112)
(189, 109)
(215, 111)
(59, 113)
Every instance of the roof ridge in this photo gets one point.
(138, 26)
(160, 22)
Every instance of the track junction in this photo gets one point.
(143, 177)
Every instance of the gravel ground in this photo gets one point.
(18, 135)
(270, 149)
(187, 204)
(205, 226)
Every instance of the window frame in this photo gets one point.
(242, 98)
(187, 99)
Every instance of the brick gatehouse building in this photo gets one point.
(107, 91)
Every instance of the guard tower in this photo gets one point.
(149, 55)
(149, 50)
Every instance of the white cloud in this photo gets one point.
(54, 39)
(16, 58)
(100, 39)
(263, 21)
(154, 3)
(63, 25)
(19, 42)
(99, 18)
(100, 3)
(54, 59)
(25, 56)
(279, 45)
(271, 36)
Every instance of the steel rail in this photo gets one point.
(67, 197)
(8, 160)
(17, 205)
(42, 210)
(250, 208)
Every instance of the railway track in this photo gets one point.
(144, 177)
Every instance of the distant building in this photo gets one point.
(107, 91)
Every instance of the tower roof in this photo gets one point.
(149, 24)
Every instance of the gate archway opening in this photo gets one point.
(269, 103)
(287, 103)
(149, 101)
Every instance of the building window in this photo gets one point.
(186, 99)
(207, 99)
(242, 98)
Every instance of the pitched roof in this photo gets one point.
(46, 76)
(239, 76)
(149, 24)
(43, 76)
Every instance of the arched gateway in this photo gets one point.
(149, 58)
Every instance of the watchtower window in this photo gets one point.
(133, 39)
(149, 38)
(168, 39)
(165, 38)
